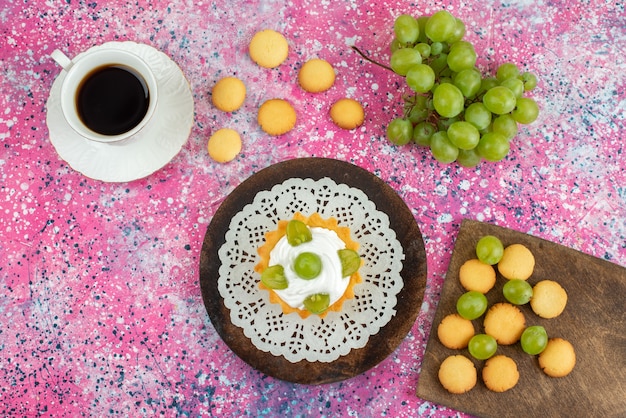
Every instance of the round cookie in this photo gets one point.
(276, 116)
(316, 75)
(558, 359)
(457, 374)
(549, 299)
(500, 373)
(228, 94)
(454, 331)
(224, 145)
(476, 275)
(504, 322)
(268, 48)
(517, 262)
(347, 113)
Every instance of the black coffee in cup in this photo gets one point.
(112, 99)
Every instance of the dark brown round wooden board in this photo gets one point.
(594, 321)
(413, 272)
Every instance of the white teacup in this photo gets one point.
(107, 95)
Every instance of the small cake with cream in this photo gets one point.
(309, 265)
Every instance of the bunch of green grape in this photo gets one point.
(452, 108)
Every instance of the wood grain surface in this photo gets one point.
(413, 272)
(594, 321)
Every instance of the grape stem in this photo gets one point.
(365, 57)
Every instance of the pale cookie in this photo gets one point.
(457, 374)
(476, 275)
(276, 116)
(558, 359)
(505, 323)
(268, 48)
(224, 145)
(517, 262)
(454, 331)
(228, 94)
(316, 76)
(549, 299)
(500, 373)
(347, 113)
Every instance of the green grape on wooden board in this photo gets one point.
(471, 305)
(534, 339)
(489, 249)
(482, 346)
(517, 291)
(447, 88)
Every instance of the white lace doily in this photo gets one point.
(312, 339)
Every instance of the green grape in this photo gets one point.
(515, 85)
(461, 44)
(421, 22)
(400, 131)
(445, 78)
(489, 249)
(406, 29)
(482, 346)
(274, 277)
(429, 103)
(417, 109)
(478, 115)
(418, 113)
(436, 48)
(448, 100)
(463, 134)
(461, 58)
(307, 265)
(422, 132)
(499, 100)
(297, 233)
(441, 26)
(506, 125)
(493, 146)
(517, 291)
(444, 123)
(487, 84)
(424, 49)
(403, 59)
(471, 305)
(534, 340)
(395, 45)
(526, 110)
(442, 149)
(530, 81)
(468, 81)
(440, 63)
(420, 78)
(507, 70)
(317, 303)
(446, 74)
(350, 262)
(468, 158)
(459, 31)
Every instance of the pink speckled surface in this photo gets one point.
(100, 306)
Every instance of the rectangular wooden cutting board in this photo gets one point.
(594, 321)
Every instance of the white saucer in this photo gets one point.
(149, 150)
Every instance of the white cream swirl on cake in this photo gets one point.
(309, 265)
